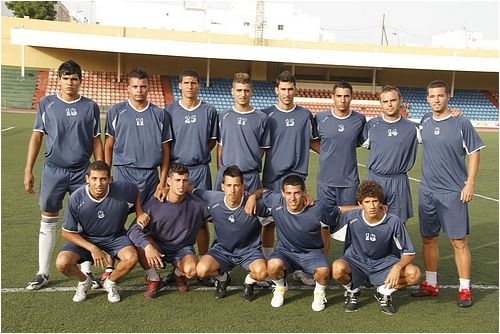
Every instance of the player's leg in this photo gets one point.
(256, 265)
(316, 263)
(67, 263)
(343, 273)
(277, 267)
(128, 259)
(408, 276)
(217, 265)
(152, 278)
(185, 267)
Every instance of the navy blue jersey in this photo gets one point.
(291, 132)
(235, 231)
(299, 232)
(339, 137)
(370, 243)
(393, 145)
(243, 136)
(138, 134)
(445, 144)
(70, 129)
(98, 220)
(192, 128)
(171, 225)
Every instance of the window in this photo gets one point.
(280, 27)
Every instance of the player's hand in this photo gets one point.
(455, 112)
(154, 257)
(100, 258)
(251, 205)
(161, 193)
(308, 200)
(467, 193)
(392, 279)
(142, 219)
(29, 182)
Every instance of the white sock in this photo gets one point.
(385, 291)
(464, 283)
(85, 267)
(267, 251)
(250, 280)
(46, 242)
(319, 288)
(348, 286)
(279, 283)
(431, 277)
(152, 274)
(221, 277)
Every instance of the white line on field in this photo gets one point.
(235, 287)
(477, 195)
(9, 128)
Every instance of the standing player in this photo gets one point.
(138, 136)
(290, 125)
(194, 124)
(94, 223)
(340, 131)
(376, 247)
(300, 244)
(447, 186)
(171, 233)
(243, 135)
(237, 236)
(71, 123)
(392, 141)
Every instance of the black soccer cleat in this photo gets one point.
(385, 303)
(249, 294)
(221, 287)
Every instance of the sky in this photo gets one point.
(406, 22)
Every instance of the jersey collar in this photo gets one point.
(143, 109)
(69, 102)
(92, 198)
(338, 117)
(236, 208)
(387, 121)
(377, 223)
(286, 111)
(189, 109)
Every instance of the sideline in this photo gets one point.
(9, 128)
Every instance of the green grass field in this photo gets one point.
(52, 310)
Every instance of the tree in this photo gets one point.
(40, 10)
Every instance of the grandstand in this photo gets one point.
(18, 91)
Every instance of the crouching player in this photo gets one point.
(377, 247)
(237, 236)
(94, 223)
(171, 233)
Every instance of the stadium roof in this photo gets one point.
(374, 57)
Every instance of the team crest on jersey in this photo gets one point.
(242, 120)
(341, 128)
(437, 130)
(289, 122)
(231, 218)
(100, 214)
(190, 119)
(392, 132)
(71, 112)
(139, 121)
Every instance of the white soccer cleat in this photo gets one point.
(81, 290)
(319, 301)
(300, 276)
(278, 296)
(113, 296)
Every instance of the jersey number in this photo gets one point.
(190, 119)
(242, 120)
(289, 122)
(370, 237)
(139, 121)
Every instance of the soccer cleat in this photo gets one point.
(113, 296)
(249, 294)
(81, 290)
(181, 282)
(152, 288)
(38, 282)
(207, 281)
(278, 296)
(95, 283)
(106, 273)
(303, 277)
(351, 301)
(221, 287)
(385, 303)
(464, 298)
(425, 290)
(169, 279)
(319, 301)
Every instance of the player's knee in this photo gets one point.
(63, 263)
(322, 273)
(129, 259)
(259, 273)
(412, 274)
(459, 244)
(202, 269)
(338, 269)
(274, 267)
(189, 269)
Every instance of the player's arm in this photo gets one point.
(393, 276)
(468, 190)
(219, 155)
(109, 143)
(251, 204)
(314, 144)
(33, 150)
(100, 258)
(141, 217)
(211, 144)
(97, 148)
(165, 164)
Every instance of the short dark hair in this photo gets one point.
(99, 165)
(189, 73)
(437, 84)
(242, 78)
(232, 171)
(285, 76)
(293, 180)
(70, 67)
(178, 168)
(342, 84)
(389, 88)
(369, 188)
(138, 73)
